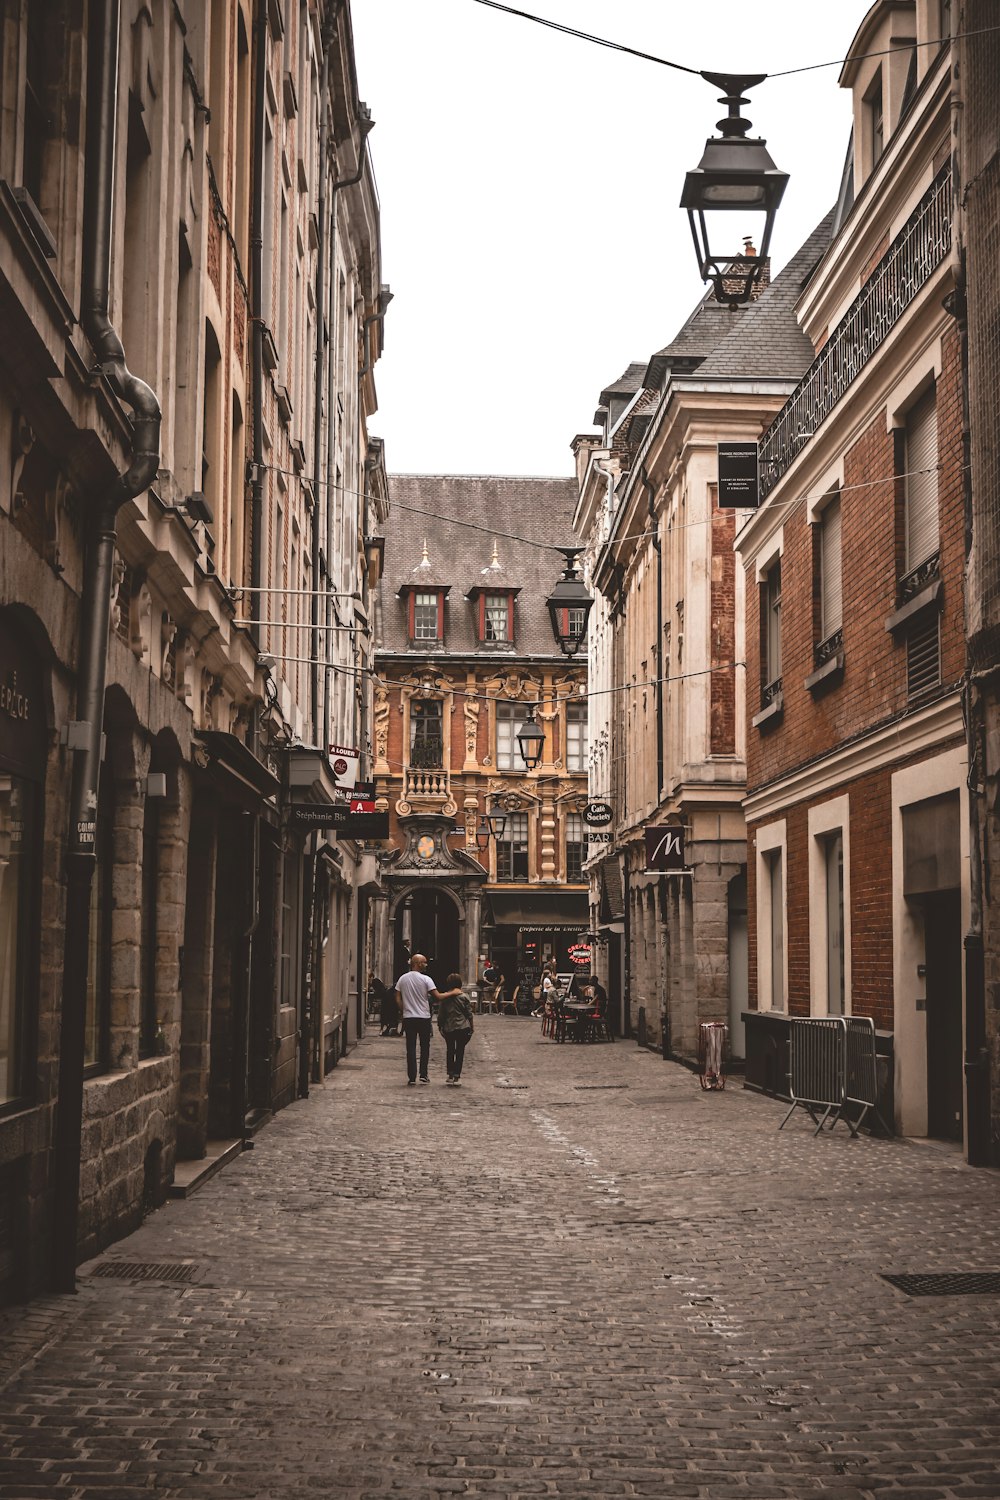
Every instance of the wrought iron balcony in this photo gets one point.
(770, 693)
(927, 572)
(826, 650)
(909, 262)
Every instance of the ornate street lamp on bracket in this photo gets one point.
(735, 175)
(569, 604)
(492, 825)
(531, 740)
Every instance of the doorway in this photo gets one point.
(738, 964)
(428, 923)
(945, 1076)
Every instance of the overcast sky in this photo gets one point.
(530, 183)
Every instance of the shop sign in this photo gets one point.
(738, 484)
(598, 814)
(345, 763)
(579, 953)
(665, 847)
(598, 838)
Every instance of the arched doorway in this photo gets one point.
(427, 921)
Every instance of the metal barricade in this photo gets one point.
(833, 1070)
(712, 1039)
(817, 1057)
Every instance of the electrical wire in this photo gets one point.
(666, 62)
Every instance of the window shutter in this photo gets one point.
(921, 456)
(831, 595)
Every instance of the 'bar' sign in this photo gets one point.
(738, 485)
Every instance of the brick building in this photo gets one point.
(465, 649)
(666, 637)
(161, 541)
(857, 806)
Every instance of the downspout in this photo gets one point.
(257, 314)
(322, 352)
(95, 621)
(658, 547)
(384, 298)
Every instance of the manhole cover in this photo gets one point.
(948, 1284)
(146, 1270)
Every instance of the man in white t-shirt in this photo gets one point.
(414, 992)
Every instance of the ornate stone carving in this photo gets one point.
(471, 711)
(168, 634)
(141, 622)
(381, 724)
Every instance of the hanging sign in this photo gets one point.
(344, 762)
(665, 848)
(598, 814)
(738, 484)
(579, 954)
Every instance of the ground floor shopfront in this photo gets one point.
(859, 904)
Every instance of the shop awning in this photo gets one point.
(547, 911)
(237, 770)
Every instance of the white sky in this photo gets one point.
(530, 183)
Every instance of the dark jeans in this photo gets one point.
(456, 1042)
(417, 1026)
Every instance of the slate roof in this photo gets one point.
(538, 509)
(762, 338)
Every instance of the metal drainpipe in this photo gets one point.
(384, 298)
(95, 621)
(658, 546)
(322, 352)
(257, 313)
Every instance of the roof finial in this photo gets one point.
(425, 558)
(495, 559)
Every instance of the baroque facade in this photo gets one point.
(465, 653)
(184, 194)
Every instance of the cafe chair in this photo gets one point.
(508, 1007)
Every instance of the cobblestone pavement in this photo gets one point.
(577, 1275)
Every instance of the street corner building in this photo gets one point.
(190, 286)
(465, 657)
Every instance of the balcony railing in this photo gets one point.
(928, 572)
(909, 262)
(419, 782)
(826, 650)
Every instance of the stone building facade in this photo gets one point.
(665, 648)
(465, 653)
(857, 797)
(160, 194)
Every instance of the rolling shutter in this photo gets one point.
(921, 456)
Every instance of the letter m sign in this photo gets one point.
(665, 848)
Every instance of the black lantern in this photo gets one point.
(569, 605)
(531, 740)
(735, 175)
(497, 822)
(483, 835)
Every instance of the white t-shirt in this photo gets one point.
(415, 988)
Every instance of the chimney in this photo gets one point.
(738, 272)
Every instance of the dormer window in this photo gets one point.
(496, 619)
(492, 597)
(423, 595)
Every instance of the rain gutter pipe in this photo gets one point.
(95, 621)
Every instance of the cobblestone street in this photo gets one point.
(576, 1275)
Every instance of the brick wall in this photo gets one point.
(873, 688)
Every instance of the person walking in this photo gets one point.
(456, 1026)
(414, 992)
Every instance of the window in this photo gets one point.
(425, 617)
(920, 487)
(833, 868)
(770, 622)
(830, 580)
(876, 120)
(512, 848)
(37, 123)
(775, 998)
(576, 736)
(495, 618)
(576, 847)
(509, 717)
(426, 736)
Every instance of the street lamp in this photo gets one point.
(735, 175)
(569, 604)
(492, 825)
(531, 740)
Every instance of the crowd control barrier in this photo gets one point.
(832, 1070)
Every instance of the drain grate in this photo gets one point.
(948, 1284)
(592, 1086)
(514, 1086)
(146, 1270)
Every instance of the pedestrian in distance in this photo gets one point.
(414, 992)
(456, 1026)
(388, 1009)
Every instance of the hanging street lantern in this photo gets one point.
(531, 740)
(497, 821)
(735, 175)
(569, 604)
(483, 833)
